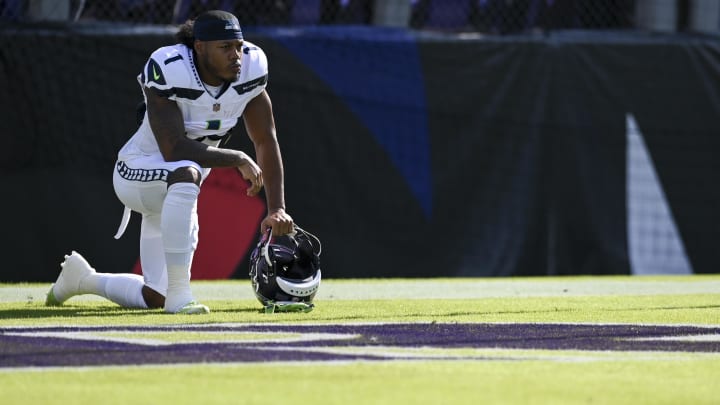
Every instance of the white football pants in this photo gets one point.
(140, 184)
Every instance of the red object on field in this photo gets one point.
(229, 224)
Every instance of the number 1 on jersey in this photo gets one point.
(213, 124)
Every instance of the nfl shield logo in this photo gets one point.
(216, 107)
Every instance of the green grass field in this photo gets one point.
(602, 369)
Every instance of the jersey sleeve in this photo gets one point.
(259, 63)
(161, 74)
(255, 63)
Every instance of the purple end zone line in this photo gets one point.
(43, 351)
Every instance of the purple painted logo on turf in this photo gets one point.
(95, 346)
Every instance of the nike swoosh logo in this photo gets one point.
(155, 74)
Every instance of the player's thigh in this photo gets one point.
(141, 183)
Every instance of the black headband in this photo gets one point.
(216, 25)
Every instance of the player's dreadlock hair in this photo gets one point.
(185, 35)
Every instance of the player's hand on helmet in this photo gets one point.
(280, 222)
(252, 173)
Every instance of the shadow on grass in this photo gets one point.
(235, 310)
(450, 315)
(609, 310)
(71, 311)
(87, 311)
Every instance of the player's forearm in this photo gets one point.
(270, 161)
(207, 156)
(175, 146)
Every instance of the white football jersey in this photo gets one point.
(171, 70)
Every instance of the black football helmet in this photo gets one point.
(285, 271)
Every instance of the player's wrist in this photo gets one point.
(243, 159)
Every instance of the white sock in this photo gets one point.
(179, 232)
(125, 290)
(178, 292)
(152, 254)
(122, 289)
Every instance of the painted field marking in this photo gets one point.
(263, 343)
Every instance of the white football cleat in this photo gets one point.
(74, 269)
(192, 307)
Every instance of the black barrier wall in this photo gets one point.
(408, 156)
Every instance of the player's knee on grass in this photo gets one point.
(186, 174)
(152, 298)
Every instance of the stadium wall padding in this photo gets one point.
(409, 155)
